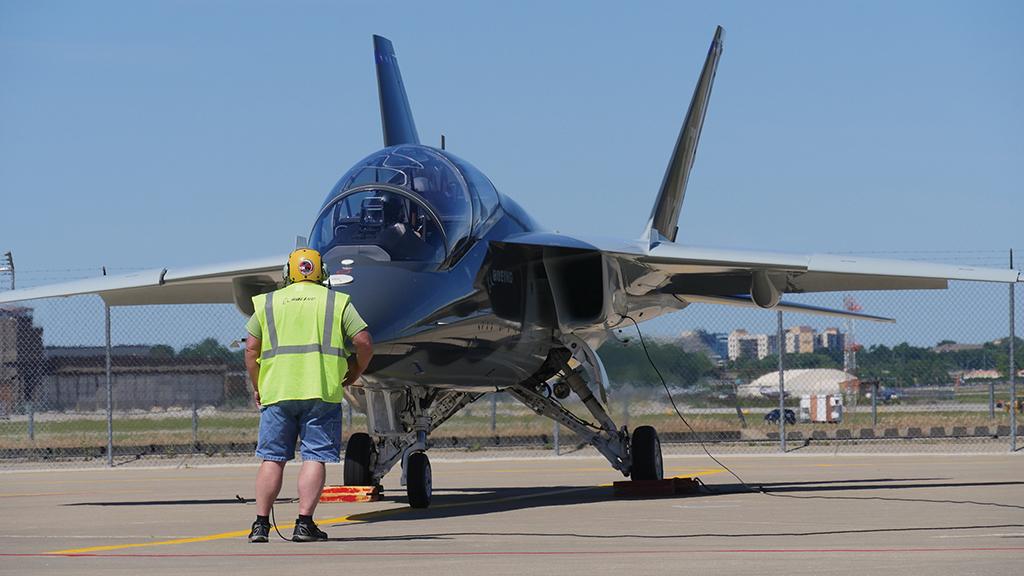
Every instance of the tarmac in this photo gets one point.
(933, 514)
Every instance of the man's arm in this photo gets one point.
(358, 362)
(253, 345)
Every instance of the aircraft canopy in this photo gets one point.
(403, 203)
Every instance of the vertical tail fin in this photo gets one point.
(664, 222)
(395, 114)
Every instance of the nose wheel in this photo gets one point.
(646, 451)
(419, 484)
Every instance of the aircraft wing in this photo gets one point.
(228, 283)
(637, 271)
(722, 271)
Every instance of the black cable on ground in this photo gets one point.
(683, 418)
(273, 522)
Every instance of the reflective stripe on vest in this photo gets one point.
(324, 347)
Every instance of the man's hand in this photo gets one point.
(358, 363)
(256, 397)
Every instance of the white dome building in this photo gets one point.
(819, 381)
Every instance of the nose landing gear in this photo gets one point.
(419, 482)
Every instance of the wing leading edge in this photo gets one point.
(216, 284)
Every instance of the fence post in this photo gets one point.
(195, 416)
(780, 346)
(991, 400)
(1013, 369)
(110, 390)
(31, 421)
(558, 449)
(494, 413)
(874, 403)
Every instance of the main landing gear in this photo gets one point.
(637, 455)
(646, 451)
(401, 419)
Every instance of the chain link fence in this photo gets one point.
(936, 379)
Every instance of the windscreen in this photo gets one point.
(408, 202)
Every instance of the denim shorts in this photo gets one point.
(316, 421)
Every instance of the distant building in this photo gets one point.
(140, 382)
(742, 344)
(800, 340)
(721, 345)
(119, 350)
(832, 339)
(799, 382)
(733, 343)
(22, 366)
(144, 377)
(767, 345)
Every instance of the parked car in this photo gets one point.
(890, 397)
(773, 416)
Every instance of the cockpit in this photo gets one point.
(404, 203)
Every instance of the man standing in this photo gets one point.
(297, 356)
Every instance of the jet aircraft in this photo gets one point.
(466, 295)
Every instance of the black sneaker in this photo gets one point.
(308, 532)
(259, 532)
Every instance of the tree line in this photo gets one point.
(901, 365)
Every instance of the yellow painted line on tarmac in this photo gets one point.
(705, 472)
(351, 518)
(207, 538)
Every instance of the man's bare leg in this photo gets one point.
(311, 483)
(268, 485)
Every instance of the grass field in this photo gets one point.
(240, 427)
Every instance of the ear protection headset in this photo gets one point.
(304, 265)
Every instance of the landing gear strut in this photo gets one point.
(637, 455)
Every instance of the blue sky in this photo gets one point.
(166, 134)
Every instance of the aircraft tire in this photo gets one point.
(358, 453)
(646, 450)
(418, 481)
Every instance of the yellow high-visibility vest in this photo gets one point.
(303, 348)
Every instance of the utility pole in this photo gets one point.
(780, 346)
(1013, 368)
